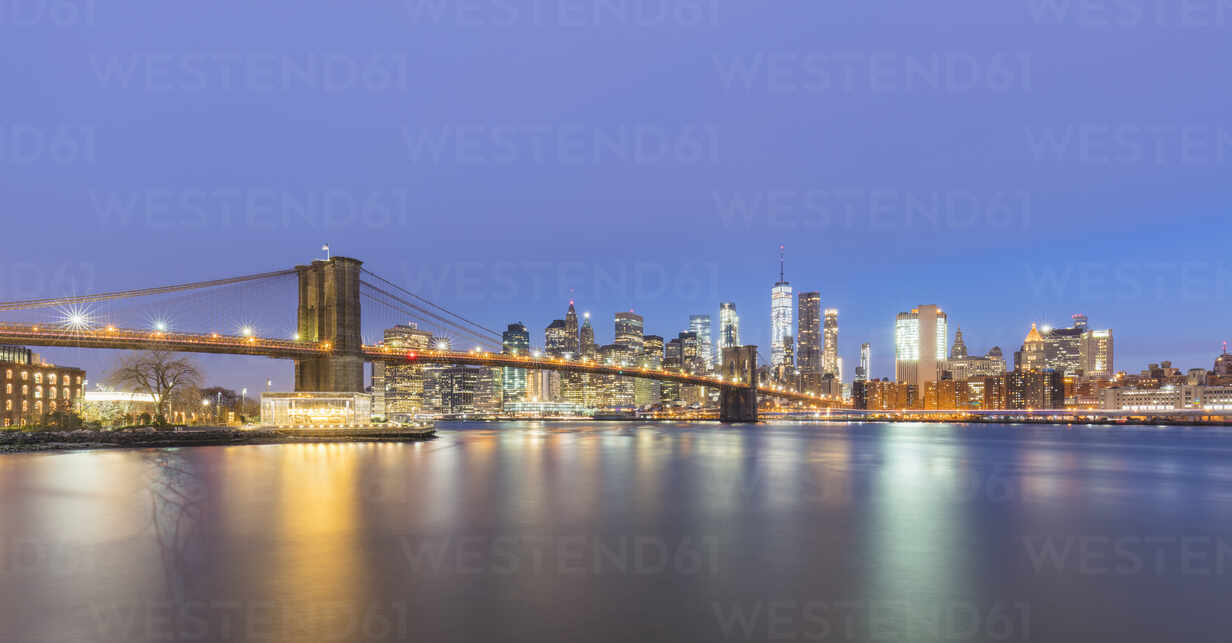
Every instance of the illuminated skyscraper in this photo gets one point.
(829, 357)
(808, 339)
(780, 317)
(572, 345)
(628, 327)
(729, 326)
(514, 341)
(1096, 354)
(863, 372)
(700, 324)
(919, 345)
(586, 338)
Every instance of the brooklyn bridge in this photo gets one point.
(327, 346)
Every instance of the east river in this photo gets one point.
(607, 531)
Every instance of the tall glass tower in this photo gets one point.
(780, 317)
(514, 341)
(729, 326)
(700, 324)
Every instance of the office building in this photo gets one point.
(1096, 354)
(863, 372)
(829, 359)
(629, 327)
(700, 324)
(400, 389)
(514, 341)
(729, 326)
(919, 345)
(780, 318)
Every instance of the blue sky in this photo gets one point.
(1012, 162)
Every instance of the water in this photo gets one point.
(628, 532)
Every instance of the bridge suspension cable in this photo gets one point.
(412, 309)
(485, 329)
(30, 304)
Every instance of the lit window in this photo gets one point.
(8, 388)
(38, 392)
(25, 375)
(38, 407)
(25, 406)
(66, 395)
(25, 389)
(9, 374)
(8, 405)
(38, 378)
(52, 395)
(51, 378)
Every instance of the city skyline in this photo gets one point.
(885, 369)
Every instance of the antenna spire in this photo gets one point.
(781, 262)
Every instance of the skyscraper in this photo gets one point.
(628, 327)
(556, 339)
(780, 317)
(729, 326)
(586, 338)
(514, 341)
(1032, 355)
(863, 372)
(829, 358)
(1096, 354)
(572, 345)
(919, 344)
(808, 339)
(700, 324)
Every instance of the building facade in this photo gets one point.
(34, 388)
(729, 326)
(919, 344)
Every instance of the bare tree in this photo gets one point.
(159, 373)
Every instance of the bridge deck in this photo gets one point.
(130, 339)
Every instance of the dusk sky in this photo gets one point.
(1024, 161)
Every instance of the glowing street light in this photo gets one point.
(246, 331)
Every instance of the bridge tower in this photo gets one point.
(329, 311)
(738, 400)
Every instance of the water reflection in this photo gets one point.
(614, 531)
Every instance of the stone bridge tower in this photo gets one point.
(329, 311)
(738, 395)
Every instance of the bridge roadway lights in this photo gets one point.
(329, 312)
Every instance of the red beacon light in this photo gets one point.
(410, 355)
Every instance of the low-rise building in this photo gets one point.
(34, 388)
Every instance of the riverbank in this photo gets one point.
(13, 441)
